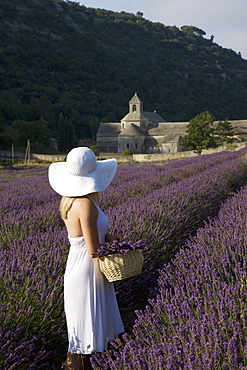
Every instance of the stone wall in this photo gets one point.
(135, 157)
(4, 154)
(181, 155)
(168, 156)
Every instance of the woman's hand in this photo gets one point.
(112, 237)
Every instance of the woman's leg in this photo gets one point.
(75, 361)
(86, 361)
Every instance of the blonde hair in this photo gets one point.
(94, 197)
(66, 203)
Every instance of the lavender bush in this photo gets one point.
(34, 245)
(32, 259)
(199, 318)
(136, 180)
(164, 219)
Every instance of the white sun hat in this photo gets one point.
(81, 174)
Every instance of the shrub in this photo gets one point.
(95, 150)
(126, 151)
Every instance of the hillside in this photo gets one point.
(60, 57)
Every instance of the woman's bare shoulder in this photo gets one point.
(82, 200)
(84, 204)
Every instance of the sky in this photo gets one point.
(225, 19)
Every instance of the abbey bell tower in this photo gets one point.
(135, 105)
(135, 115)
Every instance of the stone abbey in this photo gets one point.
(147, 132)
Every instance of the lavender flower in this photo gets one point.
(120, 247)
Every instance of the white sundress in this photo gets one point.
(91, 308)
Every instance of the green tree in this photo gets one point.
(66, 134)
(13, 134)
(200, 133)
(139, 14)
(224, 132)
(5, 139)
(32, 110)
(126, 151)
(192, 30)
(93, 123)
(94, 149)
(32, 130)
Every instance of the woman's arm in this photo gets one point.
(110, 237)
(88, 215)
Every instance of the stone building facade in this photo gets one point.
(141, 132)
(147, 132)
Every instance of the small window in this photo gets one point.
(134, 108)
(128, 146)
(136, 146)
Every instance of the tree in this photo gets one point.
(200, 133)
(192, 30)
(94, 149)
(93, 123)
(32, 130)
(13, 134)
(224, 132)
(126, 152)
(5, 139)
(139, 14)
(66, 134)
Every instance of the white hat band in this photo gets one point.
(84, 173)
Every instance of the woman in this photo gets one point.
(91, 308)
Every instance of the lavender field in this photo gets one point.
(190, 298)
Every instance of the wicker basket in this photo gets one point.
(121, 266)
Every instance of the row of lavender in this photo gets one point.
(34, 242)
(139, 180)
(37, 204)
(32, 260)
(199, 318)
(165, 217)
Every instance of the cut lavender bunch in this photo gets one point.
(117, 247)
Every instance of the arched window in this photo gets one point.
(134, 108)
(127, 146)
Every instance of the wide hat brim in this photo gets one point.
(69, 185)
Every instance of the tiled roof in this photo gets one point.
(109, 129)
(153, 117)
(150, 141)
(171, 138)
(168, 128)
(143, 116)
(135, 99)
(132, 130)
